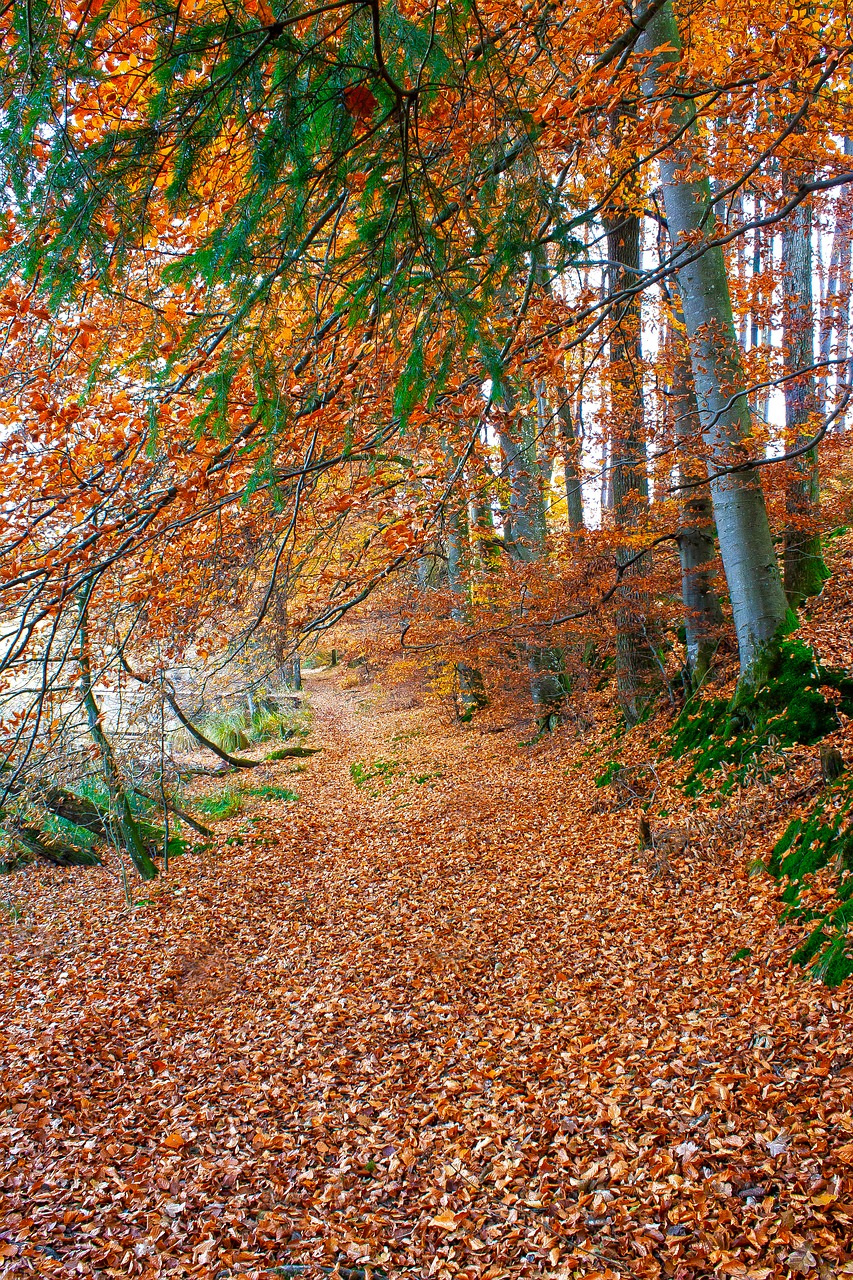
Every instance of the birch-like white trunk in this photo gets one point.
(527, 542)
(746, 543)
(805, 572)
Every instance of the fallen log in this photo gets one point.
(289, 753)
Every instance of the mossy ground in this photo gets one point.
(795, 702)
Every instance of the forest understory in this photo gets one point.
(438, 1016)
(488, 365)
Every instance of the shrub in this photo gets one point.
(227, 730)
(787, 706)
(822, 839)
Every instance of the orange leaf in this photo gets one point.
(359, 101)
(446, 1220)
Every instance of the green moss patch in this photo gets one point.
(793, 702)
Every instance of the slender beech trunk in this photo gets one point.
(607, 477)
(126, 828)
(762, 334)
(703, 616)
(288, 663)
(481, 535)
(527, 544)
(738, 217)
(526, 506)
(470, 690)
(805, 572)
(545, 440)
(569, 446)
(637, 667)
(845, 370)
(828, 314)
(835, 303)
(746, 543)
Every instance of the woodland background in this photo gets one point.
(424, 447)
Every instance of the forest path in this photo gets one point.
(442, 1021)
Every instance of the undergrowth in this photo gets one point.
(821, 841)
(271, 792)
(734, 742)
(789, 706)
(383, 771)
(222, 804)
(238, 728)
(229, 801)
(73, 825)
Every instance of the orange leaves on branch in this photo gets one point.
(360, 102)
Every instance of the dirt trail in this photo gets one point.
(442, 1022)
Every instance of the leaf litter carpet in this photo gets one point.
(443, 1023)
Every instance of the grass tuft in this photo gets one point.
(270, 792)
(222, 804)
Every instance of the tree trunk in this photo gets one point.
(287, 659)
(126, 831)
(569, 448)
(526, 506)
(637, 667)
(746, 543)
(526, 544)
(835, 308)
(805, 572)
(481, 534)
(470, 689)
(544, 439)
(703, 616)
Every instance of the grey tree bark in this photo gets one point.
(703, 615)
(125, 829)
(568, 442)
(637, 667)
(835, 304)
(569, 448)
(470, 689)
(481, 535)
(526, 543)
(746, 543)
(805, 571)
(545, 437)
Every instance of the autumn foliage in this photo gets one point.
(494, 358)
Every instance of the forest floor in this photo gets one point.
(440, 1019)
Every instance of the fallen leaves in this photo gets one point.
(459, 1035)
(446, 1220)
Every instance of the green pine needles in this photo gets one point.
(327, 192)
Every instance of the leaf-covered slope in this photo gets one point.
(448, 1028)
